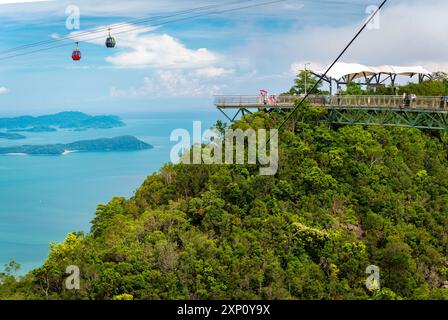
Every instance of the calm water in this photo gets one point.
(42, 198)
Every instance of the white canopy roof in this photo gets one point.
(354, 71)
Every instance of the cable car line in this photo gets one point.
(144, 20)
(122, 25)
(154, 25)
(328, 70)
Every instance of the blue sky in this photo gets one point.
(180, 66)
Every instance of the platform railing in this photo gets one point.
(336, 101)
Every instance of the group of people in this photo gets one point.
(268, 99)
(409, 100)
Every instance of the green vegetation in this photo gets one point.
(436, 87)
(428, 88)
(431, 88)
(63, 120)
(123, 143)
(354, 89)
(305, 79)
(343, 199)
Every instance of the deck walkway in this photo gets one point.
(420, 112)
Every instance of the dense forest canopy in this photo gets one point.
(344, 198)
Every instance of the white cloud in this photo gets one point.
(213, 72)
(410, 33)
(296, 67)
(293, 6)
(170, 84)
(21, 1)
(4, 90)
(30, 9)
(177, 71)
(161, 51)
(143, 49)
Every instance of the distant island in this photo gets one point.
(34, 129)
(122, 143)
(11, 136)
(64, 120)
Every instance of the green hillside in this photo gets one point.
(343, 199)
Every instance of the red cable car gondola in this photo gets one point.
(76, 55)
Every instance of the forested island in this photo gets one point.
(344, 198)
(123, 143)
(64, 120)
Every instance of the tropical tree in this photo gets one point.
(304, 82)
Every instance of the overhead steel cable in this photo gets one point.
(124, 24)
(328, 70)
(138, 28)
(146, 20)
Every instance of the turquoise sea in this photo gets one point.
(42, 198)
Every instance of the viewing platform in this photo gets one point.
(326, 101)
(413, 111)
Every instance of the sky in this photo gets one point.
(179, 66)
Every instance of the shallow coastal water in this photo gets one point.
(42, 198)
